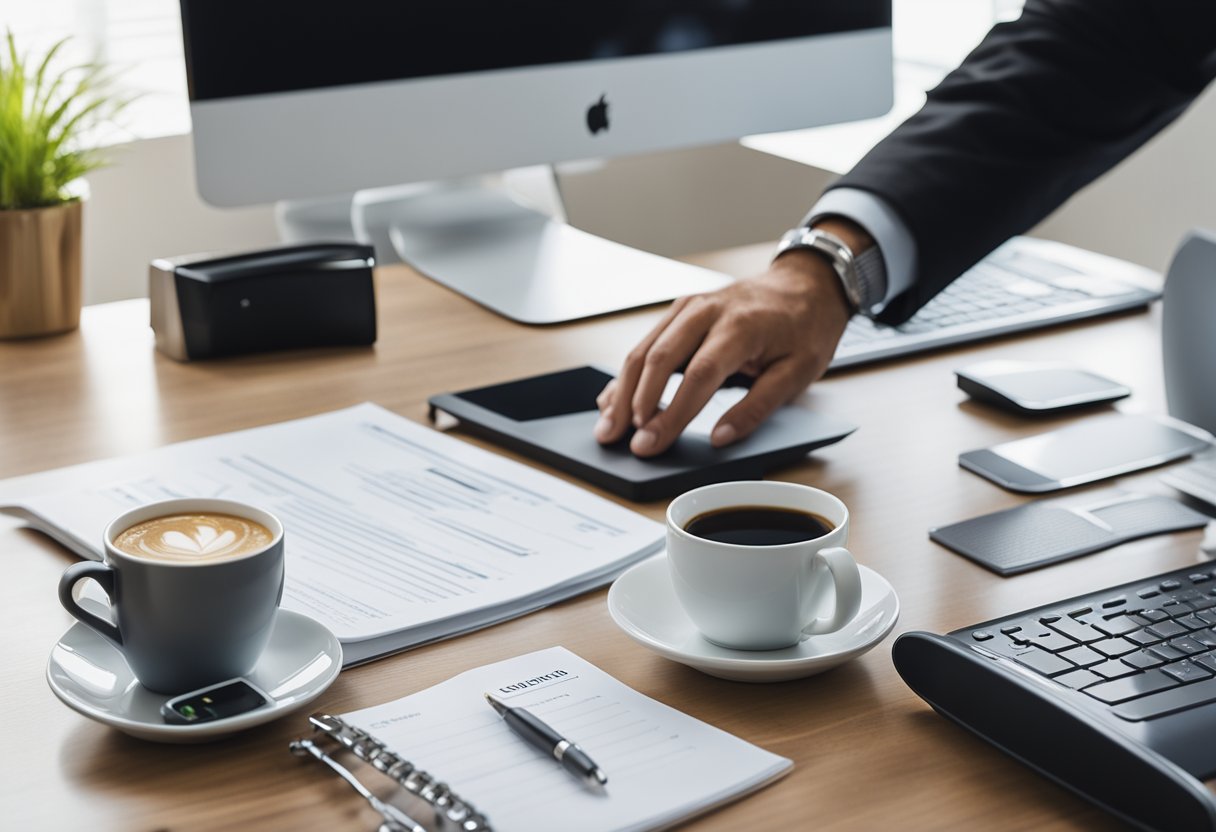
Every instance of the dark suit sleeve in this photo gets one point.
(1044, 105)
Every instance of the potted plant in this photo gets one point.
(43, 115)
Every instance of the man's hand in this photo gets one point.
(781, 327)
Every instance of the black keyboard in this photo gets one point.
(1112, 694)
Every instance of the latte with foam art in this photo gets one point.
(194, 538)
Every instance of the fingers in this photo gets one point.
(718, 357)
(675, 345)
(780, 383)
(615, 401)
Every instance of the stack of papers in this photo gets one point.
(663, 766)
(396, 535)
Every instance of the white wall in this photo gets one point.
(146, 206)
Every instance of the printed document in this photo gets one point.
(663, 766)
(396, 534)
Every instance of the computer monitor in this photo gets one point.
(299, 98)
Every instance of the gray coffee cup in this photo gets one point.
(182, 625)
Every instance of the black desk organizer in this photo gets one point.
(550, 418)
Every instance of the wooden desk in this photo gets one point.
(870, 755)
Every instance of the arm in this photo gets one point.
(1042, 107)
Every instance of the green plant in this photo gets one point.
(43, 116)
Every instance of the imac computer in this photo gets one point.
(296, 99)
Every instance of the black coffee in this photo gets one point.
(758, 526)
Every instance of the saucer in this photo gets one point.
(643, 603)
(91, 676)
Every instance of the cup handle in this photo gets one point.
(104, 575)
(847, 580)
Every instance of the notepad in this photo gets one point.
(663, 766)
(396, 534)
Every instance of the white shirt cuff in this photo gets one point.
(895, 242)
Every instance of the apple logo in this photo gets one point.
(597, 115)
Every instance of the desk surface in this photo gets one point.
(869, 754)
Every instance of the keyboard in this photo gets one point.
(1112, 693)
(1024, 284)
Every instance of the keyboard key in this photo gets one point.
(1049, 619)
(1079, 678)
(1148, 593)
(1082, 656)
(1043, 662)
(1207, 660)
(1142, 637)
(1187, 645)
(1114, 669)
(1152, 616)
(1166, 652)
(1166, 629)
(1207, 637)
(1200, 577)
(1076, 630)
(1051, 641)
(1117, 601)
(1164, 702)
(981, 635)
(1132, 687)
(1011, 630)
(1080, 611)
(1114, 647)
(1204, 603)
(1176, 609)
(1118, 625)
(1192, 622)
(1143, 659)
(1186, 671)
(1170, 585)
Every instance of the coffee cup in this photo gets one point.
(761, 565)
(194, 586)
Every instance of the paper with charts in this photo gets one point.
(397, 534)
(663, 766)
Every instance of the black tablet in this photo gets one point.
(550, 418)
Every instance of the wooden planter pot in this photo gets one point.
(40, 270)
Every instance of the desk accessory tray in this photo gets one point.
(1026, 537)
(551, 418)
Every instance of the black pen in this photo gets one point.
(572, 758)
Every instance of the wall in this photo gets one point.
(144, 206)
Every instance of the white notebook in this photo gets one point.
(396, 534)
(663, 766)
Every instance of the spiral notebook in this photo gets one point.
(447, 746)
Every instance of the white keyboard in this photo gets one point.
(1024, 284)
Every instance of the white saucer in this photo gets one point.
(643, 603)
(89, 675)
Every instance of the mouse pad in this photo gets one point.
(550, 418)
(1037, 534)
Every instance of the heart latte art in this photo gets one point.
(194, 538)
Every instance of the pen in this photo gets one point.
(535, 732)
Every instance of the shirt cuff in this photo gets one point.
(895, 243)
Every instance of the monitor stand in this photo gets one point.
(515, 260)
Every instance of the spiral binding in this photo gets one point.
(451, 811)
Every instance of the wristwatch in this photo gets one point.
(861, 275)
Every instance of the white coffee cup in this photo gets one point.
(758, 597)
